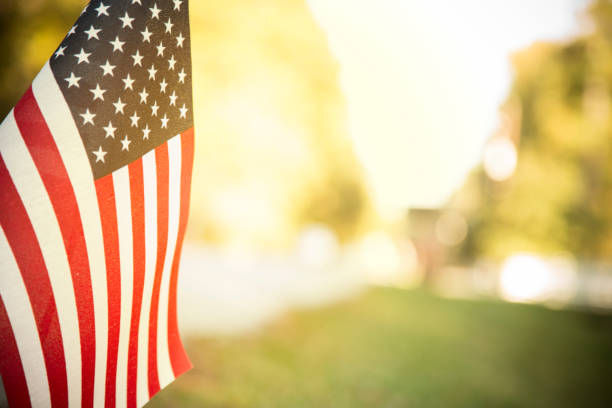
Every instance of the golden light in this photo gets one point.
(418, 126)
(317, 246)
(499, 159)
(530, 278)
(387, 262)
(524, 278)
(380, 258)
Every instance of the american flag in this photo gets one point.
(95, 175)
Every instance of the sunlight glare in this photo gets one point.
(500, 159)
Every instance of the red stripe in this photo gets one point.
(41, 145)
(13, 377)
(138, 234)
(161, 160)
(24, 244)
(108, 216)
(178, 357)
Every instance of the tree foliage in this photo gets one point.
(559, 201)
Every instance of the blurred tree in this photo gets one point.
(273, 152)
(29, 32)
(559, 199)
(271, 120)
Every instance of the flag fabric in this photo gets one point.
(95, 175)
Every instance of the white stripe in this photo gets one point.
(121, 181)
(68, 141)
(40, 211)
(164, 366)
(150, 213)
(20, 314)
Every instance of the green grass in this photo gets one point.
(395, 348)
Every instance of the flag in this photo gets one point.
(95, 175)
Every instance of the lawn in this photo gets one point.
(397, 348)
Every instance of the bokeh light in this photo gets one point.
(499, 159)
(451, 228)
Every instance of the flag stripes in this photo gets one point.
(150, 203)
(35, 239)
(92, 290)
(121, 183)
(46, 157)
(108, 214)
(70, 147)
(137, 199)
(27, 341)
(180, 361)
(162, 241)
(164, 367)
(15, 386)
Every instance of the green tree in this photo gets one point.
(559, 201)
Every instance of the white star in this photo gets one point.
(152, 72)
(154, 109)
(128, 82)
(110, 130)
(143, 95)
(177, 4)
(137, 58)
(182, 76)
(117, 44)
(119, 106)
(92, 33)
(60, 51)
(107, 68)
(99, 154)
(160, 49)
(173, 98)
(169, 26)
(179, 40)
(145, 132)
(125, 144)
(72, 30)
(102, 9)
(136, 1)
(183, 113)
(97, 92)
(126, 20)
(162, 86)
(134, 118)
(155, 11)
(87, 117)
(83, 56)
(171, 63)
(146, 35)
(164, 121)
(73, 80)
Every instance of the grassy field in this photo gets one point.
(395, 348)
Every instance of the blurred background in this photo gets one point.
(395, 203)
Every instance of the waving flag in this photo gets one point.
(95, 175)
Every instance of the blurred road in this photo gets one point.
(224, 292)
